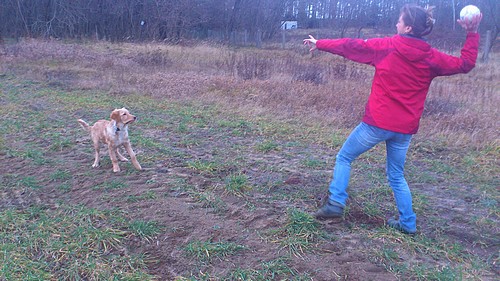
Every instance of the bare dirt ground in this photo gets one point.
(454, 227)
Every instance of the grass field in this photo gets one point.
(237, 148)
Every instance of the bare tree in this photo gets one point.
(20, 11)
(174, 20)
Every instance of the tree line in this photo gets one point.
(174, 20)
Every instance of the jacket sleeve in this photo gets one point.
(358, 50)
(445, 64)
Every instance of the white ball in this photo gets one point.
(468, 12)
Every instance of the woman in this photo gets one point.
(405, 65)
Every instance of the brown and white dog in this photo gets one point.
(114, 133)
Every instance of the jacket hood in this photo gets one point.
(412, 48)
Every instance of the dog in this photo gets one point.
(114, 133)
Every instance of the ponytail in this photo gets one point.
(420, 19)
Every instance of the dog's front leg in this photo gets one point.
(112, 155)
(131, 153)
(96, 155)
(120, 156)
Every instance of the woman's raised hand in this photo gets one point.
(311, 43)
(471, 25)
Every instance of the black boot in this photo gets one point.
(393, 223)
(331, 209)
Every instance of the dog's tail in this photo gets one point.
(84, 125)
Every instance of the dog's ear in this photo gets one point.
(115, 115)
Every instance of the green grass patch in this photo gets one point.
(145, 229)
(206, 197)
(336, 139)
(238, 127)
(149, 195)
(153, 122)
(60, 175)
(3, 145)
(65, 244)
(209, 200)
(37, 156)
(369, 199)
(461, 265)
(29, 182)
(206, 251)
(312, 163)
(299, 234)
(277, 269)
(237, 184)
(65, 187)
(203, 166)
(113, 184)
(267, 146)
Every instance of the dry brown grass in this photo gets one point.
(321, 90)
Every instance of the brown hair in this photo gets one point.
(420, 19)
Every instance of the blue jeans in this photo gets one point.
(363, 138)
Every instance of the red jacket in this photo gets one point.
(404, 69)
